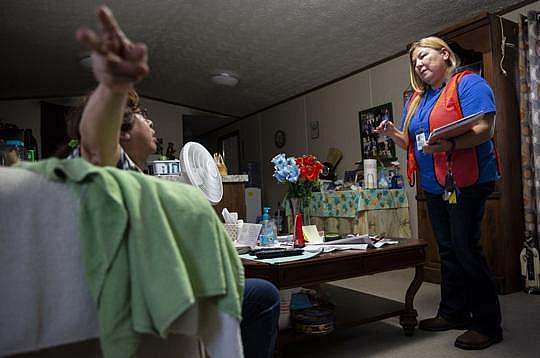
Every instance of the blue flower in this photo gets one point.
(285, 169)
(279, 160)
(294, 173)
(280, 177)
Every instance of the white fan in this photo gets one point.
(198, 168)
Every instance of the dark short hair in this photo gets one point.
(74, 116)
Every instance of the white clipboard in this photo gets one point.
(456, 128)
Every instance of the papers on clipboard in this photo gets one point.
(456, 128)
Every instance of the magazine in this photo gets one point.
(456, 128)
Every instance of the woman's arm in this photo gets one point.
(480, 133)
(387, 128)
(117, 65)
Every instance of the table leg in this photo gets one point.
(408, 319)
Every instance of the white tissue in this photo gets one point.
(230, 218)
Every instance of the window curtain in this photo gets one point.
(529, 76)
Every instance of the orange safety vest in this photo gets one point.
(446, 110)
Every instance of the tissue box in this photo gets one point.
(232, 230)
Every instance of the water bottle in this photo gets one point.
(266, 237)
(383, 182)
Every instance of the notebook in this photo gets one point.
(456, 128)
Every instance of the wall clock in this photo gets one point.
(279, 138)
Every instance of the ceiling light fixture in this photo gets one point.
(225, 79)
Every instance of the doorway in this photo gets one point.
(229, 147)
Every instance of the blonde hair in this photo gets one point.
(419, 86)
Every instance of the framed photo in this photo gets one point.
(279, 138)
(374, 146)
(314, 126)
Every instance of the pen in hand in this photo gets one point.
(382, 126)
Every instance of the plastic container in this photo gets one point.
(383, 181)
(370, 174)
(11, 151)
(266, 237)
(397, 181)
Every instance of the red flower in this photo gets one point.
(310, 167)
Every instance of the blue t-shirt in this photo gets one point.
(475, 95)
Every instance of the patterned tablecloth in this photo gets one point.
(372, 211)
(347, 204)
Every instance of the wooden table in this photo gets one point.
(340, 265)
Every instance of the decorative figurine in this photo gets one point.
(171, 152)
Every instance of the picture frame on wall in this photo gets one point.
(374, 146)
(314, 127)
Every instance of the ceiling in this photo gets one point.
(277, 48)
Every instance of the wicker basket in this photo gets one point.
(232, 230)
(314, 321)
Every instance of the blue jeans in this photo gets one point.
(468, 288)
(260, 316)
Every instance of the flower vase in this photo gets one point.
(306, 210)
(297, 221)
(300, 205)
(296, 207)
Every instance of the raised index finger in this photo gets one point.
(107, 20)
(109, 23)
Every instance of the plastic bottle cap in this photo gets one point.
(266, 214)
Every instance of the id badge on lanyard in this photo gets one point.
(420, 139)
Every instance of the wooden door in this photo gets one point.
(53, 128)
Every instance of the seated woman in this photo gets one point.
(114, 131)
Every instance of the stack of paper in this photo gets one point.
(351, 242)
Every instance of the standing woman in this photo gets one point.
(467, 167)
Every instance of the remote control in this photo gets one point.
(278, 253)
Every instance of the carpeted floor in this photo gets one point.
(521, 325)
